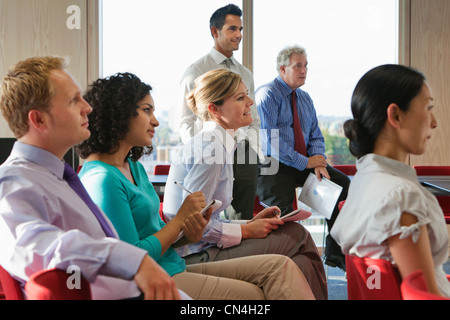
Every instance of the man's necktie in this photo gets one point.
(227, 63)
(300, 146)
(75, 183)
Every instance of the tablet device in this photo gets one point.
(215, 204)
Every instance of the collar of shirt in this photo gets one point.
(373, 162)
(39, 156)
(283, 87)
(224, 136)
(219, 58)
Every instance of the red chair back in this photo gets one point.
(432, 170)
(257, 207)
(161, 169)
(444, 203)
(52, 285)
(348, 169)
(372, 279)
(414, 287)
(11, 289)
(161, 212)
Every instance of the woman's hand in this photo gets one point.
(267, 213)
(194, 203)
(192, 206)
(194, 226)
(260, 228)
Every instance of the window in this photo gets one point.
(158, 40)
(343, 40)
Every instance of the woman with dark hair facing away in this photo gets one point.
(388, 214)
(122, 126)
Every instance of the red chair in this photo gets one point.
(348, 169)
(371, 279)
(161, 212)
(444, 201)
(52, 285)
(11, 289)
(432, 170)
(161, 169)
(414, 287)
(257, 207)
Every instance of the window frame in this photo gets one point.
(95, 20)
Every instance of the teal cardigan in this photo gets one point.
(132, 209)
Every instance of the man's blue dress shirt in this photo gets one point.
(274, 102)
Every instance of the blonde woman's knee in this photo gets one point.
(287, 281)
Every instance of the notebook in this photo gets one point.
(319, 197)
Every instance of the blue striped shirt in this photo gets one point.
(277, 134)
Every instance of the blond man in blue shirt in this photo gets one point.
(44, 224)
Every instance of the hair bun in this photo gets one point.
(360, 142)
(351, 129)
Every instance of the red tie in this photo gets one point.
(300, 146)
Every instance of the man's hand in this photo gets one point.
(316, 161)
(321, 172)
(319, 164)
(154, 281)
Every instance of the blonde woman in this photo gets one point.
(206, 164)
(122, 126)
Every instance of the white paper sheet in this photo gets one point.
(321, 196)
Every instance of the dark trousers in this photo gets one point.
(279, 190)
(245, 169)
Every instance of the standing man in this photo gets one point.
(288, 118)
(226, 29)
(44, 221)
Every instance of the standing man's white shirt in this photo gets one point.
(190, 124)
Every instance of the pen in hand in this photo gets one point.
(182, 187)
(275, 212)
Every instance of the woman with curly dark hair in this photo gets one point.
(110, 125)
(123, 125)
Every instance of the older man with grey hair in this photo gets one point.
(291, 137)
